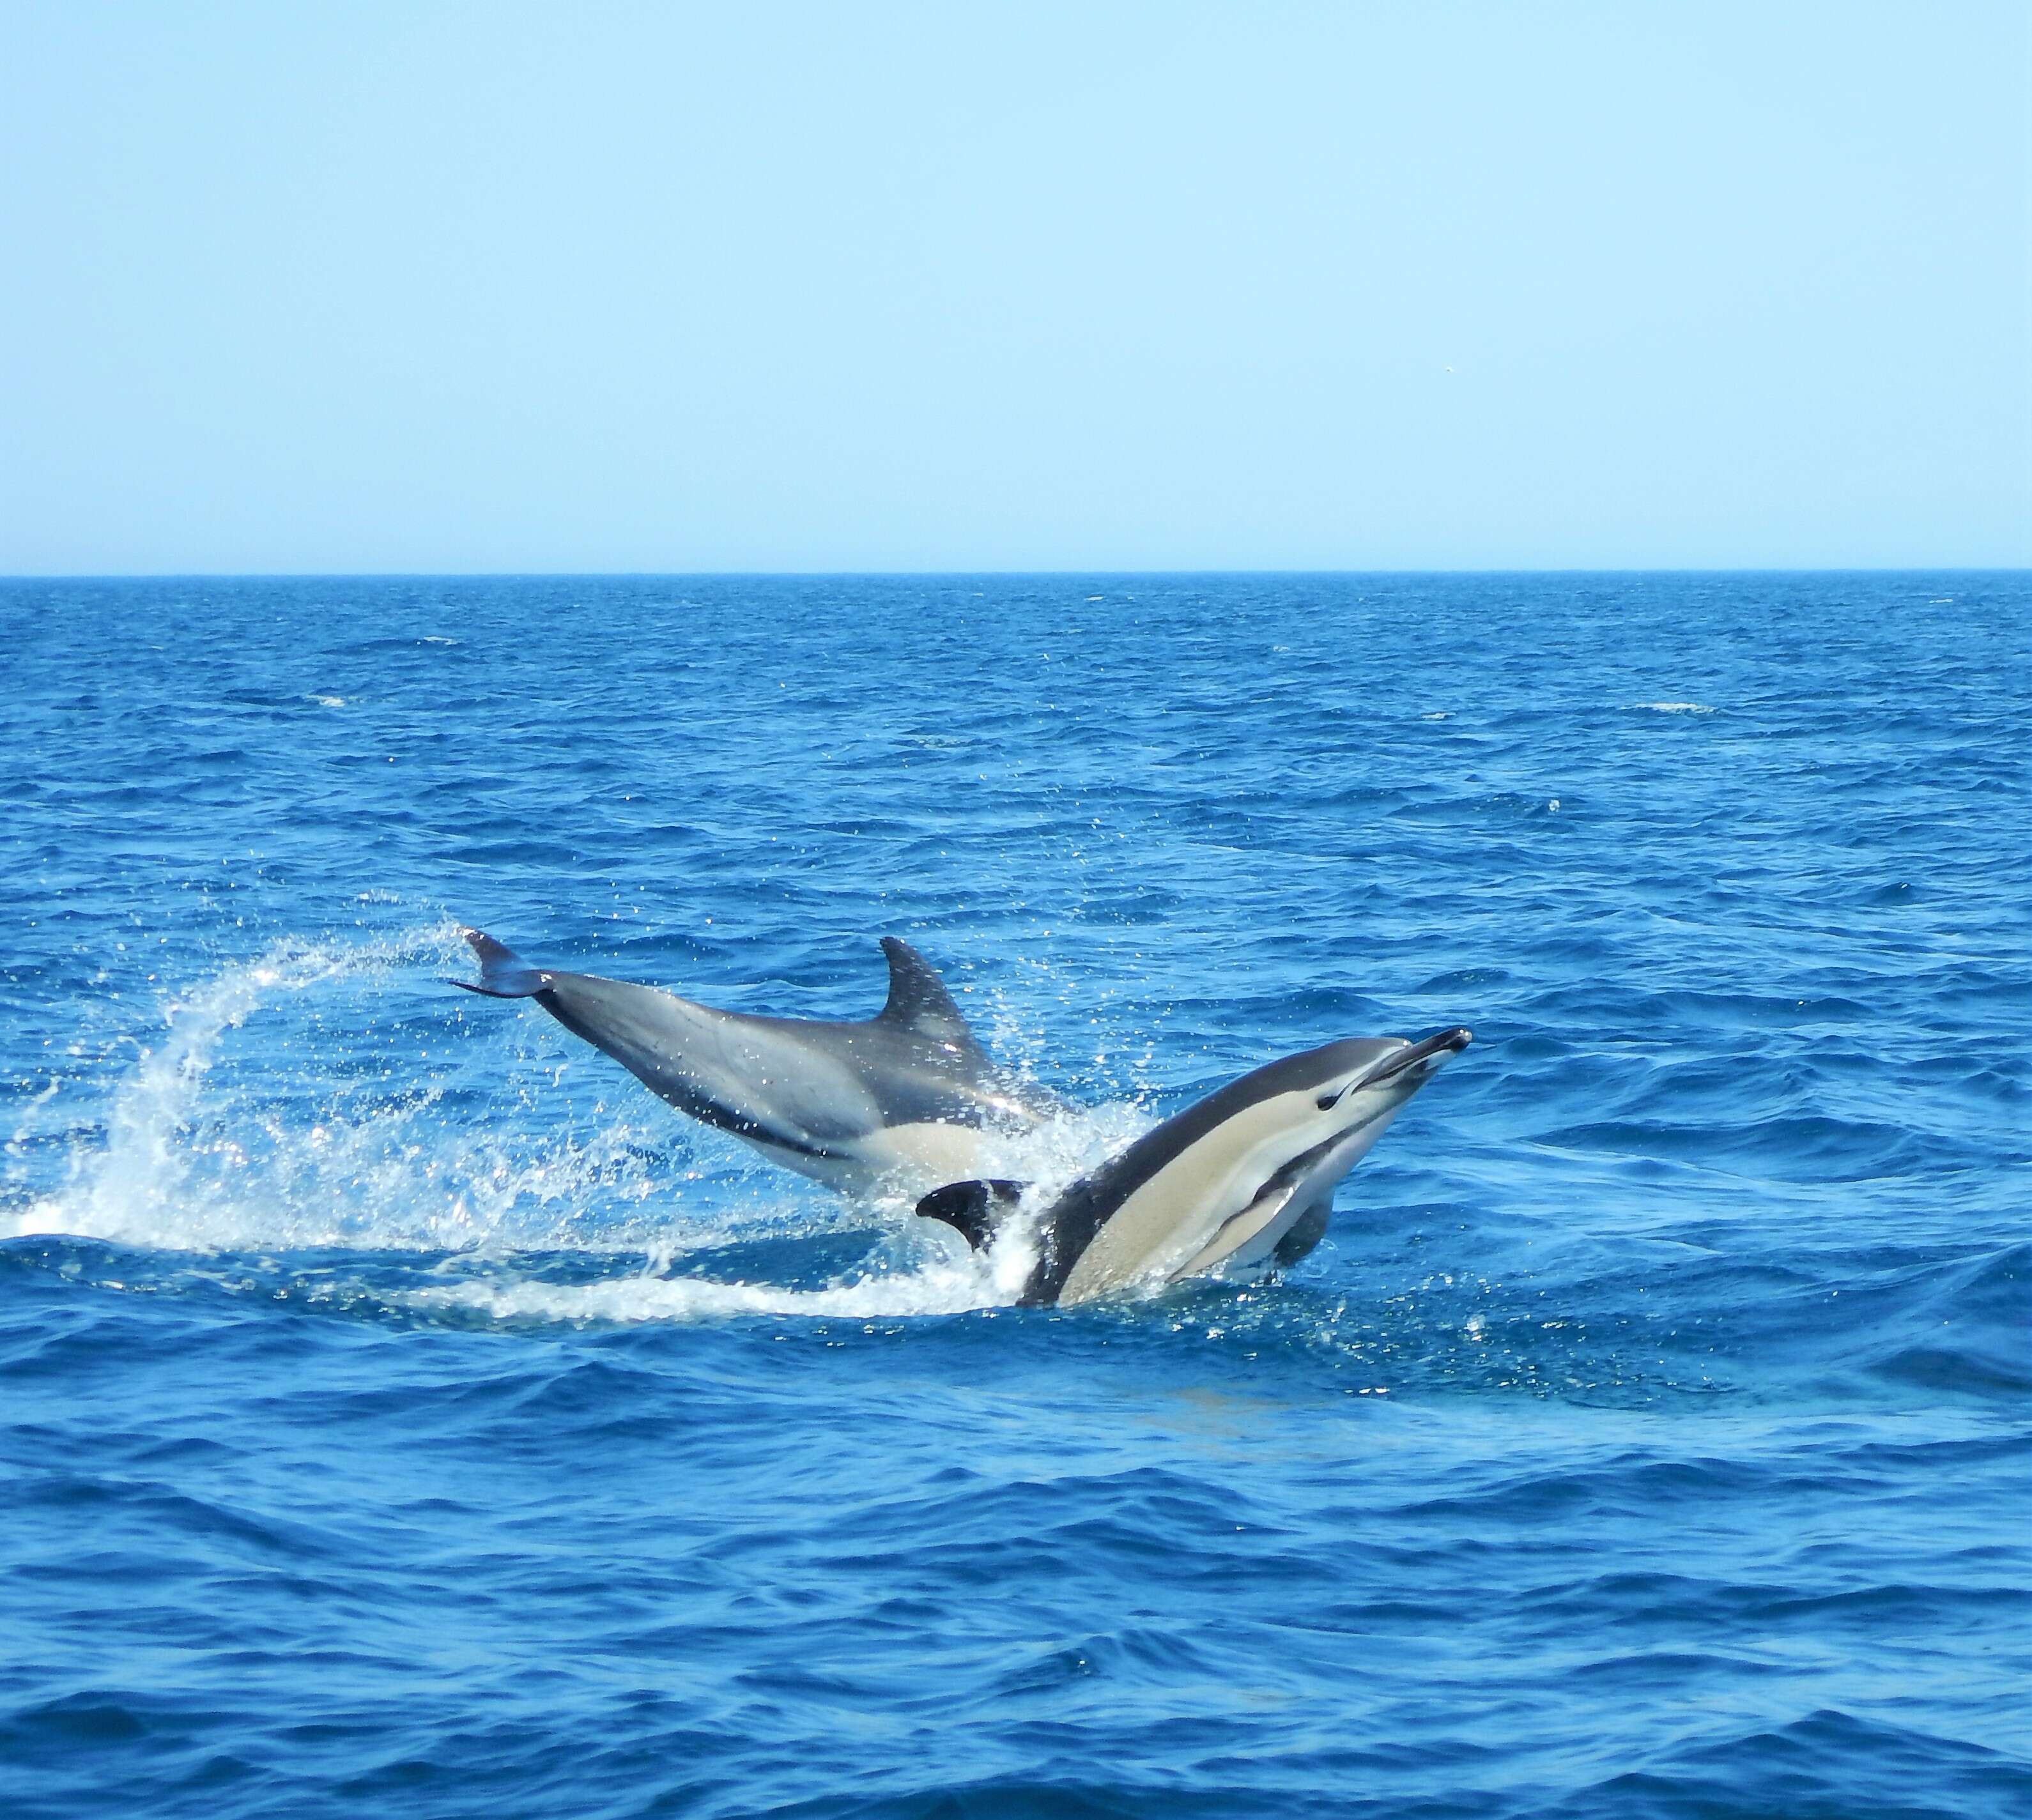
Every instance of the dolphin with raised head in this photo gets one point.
(1242, 1182)
(899, 1099)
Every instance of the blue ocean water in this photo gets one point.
(403, 1411)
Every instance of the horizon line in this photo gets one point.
(979, 574)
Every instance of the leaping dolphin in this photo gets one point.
(903, 1098)
(1241, 1181)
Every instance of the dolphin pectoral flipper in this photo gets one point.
(503, 973)
(1302, 1237)
(1239, 1235)
(975, 1211)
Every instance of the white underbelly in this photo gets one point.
(909, 1159)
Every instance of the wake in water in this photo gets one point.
(322, 1096)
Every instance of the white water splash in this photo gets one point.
(1670, 708)
(294, 1101)
(941, 1285)
(938, 1274)
(175, 1148)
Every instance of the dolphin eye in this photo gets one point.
(1328, 1101)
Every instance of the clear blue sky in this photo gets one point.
(499, 287)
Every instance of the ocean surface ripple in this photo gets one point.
(405, 1412)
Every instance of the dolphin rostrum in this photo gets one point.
(904, 1096)
(1242, 1181)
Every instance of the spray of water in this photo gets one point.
(172, 1157)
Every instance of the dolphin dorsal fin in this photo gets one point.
(918, 1000)
(975, 1211)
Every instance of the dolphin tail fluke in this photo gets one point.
(503, 973)
(975, 1211)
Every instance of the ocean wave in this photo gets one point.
(1826, 1761)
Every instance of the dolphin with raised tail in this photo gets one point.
(1238, 1183)
(899, 1099)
